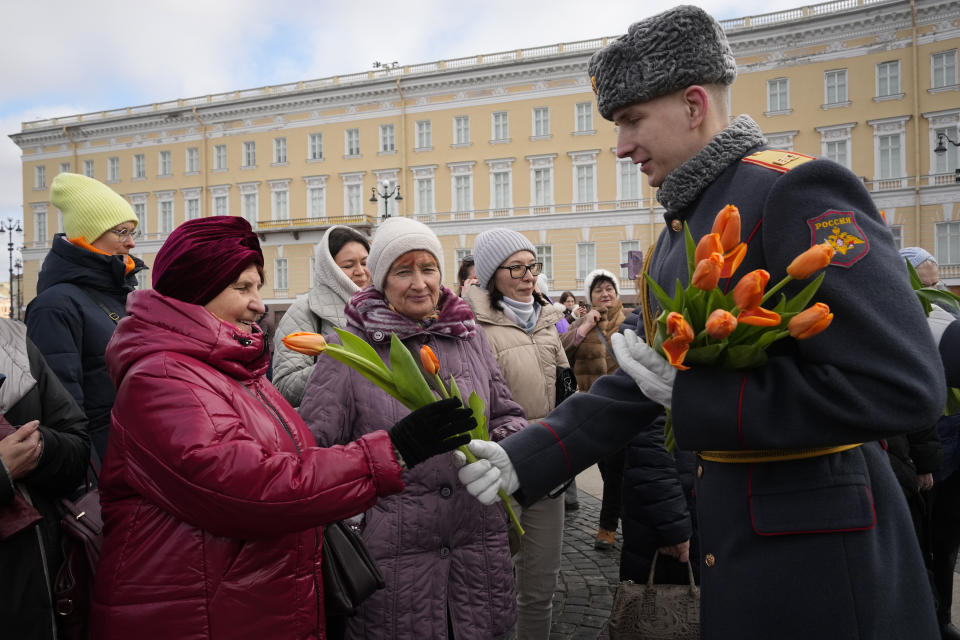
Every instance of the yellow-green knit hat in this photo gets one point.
(90, 208)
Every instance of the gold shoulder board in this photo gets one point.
(781, 161)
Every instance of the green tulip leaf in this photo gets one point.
(744, 356)
(407, 375)
(800, 301)
(709, 354)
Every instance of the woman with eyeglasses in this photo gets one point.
(520, 325)
(82, 293)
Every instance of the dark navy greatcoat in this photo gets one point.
(815, 548)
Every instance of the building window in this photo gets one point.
(778, 95)
(352, 199)
(64, 167)
(220, 206)
(500, 190)
(280, 268)
(193, 208)
(220, 157)
(143, 282)
(835, 86)
(541, 122)
(40, 219)
(423, 195)
(352, 143)
(586, 259)
(280, 151)
(387, 140)
(629, 180)
(424, 134)
(113, 169)
(584, 113)
(626, 246)
(316, 146)
(888, 147)
(836, 150)
(193, 160)
(949, 161)
(166, 216)
(251, 206)
(545, 255)
(462, 193)
(948, 242)
(501, 126)
(888, 78)
(40, 177)
(543, 186)
(585, 183)
(88, 168)
(317, 201)
(461, 130)
(139, 166)
(163, 159)
(249, 159)
(281, 208)
(943, 69)
(896, 231)
(140, 210)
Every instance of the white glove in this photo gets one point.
(652, 373)
(939, 319)
(492, 472)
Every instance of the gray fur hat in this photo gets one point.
(661, 54)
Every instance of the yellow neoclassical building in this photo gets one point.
(513, 139)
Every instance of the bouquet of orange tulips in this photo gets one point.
(701, 325)
(402, 380)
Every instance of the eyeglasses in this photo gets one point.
(124, 233)
(518, 271)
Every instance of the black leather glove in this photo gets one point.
(431, 430)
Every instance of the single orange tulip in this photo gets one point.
(759, 317)
(810, 321)
(727, 225)
(429, 359)
(676, 351)
(678, 328)
(810, 261)
(749, 291)
(707, 274)
(720, 324)
(708, 244)
(732, 260)
(310, 344)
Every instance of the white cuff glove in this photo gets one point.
(492, 472)
(939, 320)
(652, 373)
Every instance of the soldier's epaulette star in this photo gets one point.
(778, 160)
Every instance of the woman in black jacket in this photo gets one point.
(40, 465)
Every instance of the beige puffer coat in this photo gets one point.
(528, 361)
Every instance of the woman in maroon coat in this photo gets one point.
(213, 488)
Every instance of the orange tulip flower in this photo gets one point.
(732, 260)
(678, 328)
(749, 291)
(676, 351)
(310, 344)
(727, 225)
(707, 274)
(720, 324)
(810, 261)
(429, 359)
(759, 317)
(708, 244)
(810, 321)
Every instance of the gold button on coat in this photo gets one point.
(676, 225)
(699, 470)
(710, 559)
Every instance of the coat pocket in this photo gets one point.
(828, 494)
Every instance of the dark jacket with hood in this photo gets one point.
(70, 327)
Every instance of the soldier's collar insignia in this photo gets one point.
(593, 83)
(777, 160)
(841, 230)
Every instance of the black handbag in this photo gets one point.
(350, 574)
(566, 384)
(81, 535)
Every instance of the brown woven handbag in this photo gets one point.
(656, 611)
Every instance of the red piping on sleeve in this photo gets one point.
(560, 442)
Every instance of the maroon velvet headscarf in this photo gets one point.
(203, 256)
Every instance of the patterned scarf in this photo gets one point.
(370, 312)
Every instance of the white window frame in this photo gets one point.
(896, 230)
(888, 72)
(834, 135)
(540, 123)
(500, 126)
(164, 164)
(545, 255)
(192, 160)
(885, 132)
(40, 177)
(424, 135)
(40, 224)
(461, 131)
(192, 206)
(947, 235)
(501, 184)
(138, 201)
(583, 118)
(629, 190)
(626, 246)
(248, 155)
(279, 199)
(250, 202)
(586, 260)
(280, 151)
(584, 173)
(316, 202)
(220, 200)
(944, 165)
(352, 193)
(139, 166)
(388, 139)
(88, 168)
(281, 271)
(113, 169)
(424, 190)
(166, 222)
(461, 186)
(943, 69)
(315, 146)
(351, 143)
(219, 157)
(542, 190)
(64, 167)
(835, 81)
(778, 96)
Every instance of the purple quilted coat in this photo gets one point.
(438, 548)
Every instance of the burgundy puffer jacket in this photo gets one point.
(213, 487)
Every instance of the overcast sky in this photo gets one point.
(61, 57)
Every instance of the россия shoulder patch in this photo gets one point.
(841, 230)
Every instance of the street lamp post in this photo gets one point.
(18, 276)
(385, 194)
(10, 228)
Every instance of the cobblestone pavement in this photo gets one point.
(588, 578)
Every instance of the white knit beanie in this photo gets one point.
(395, 237)
(492, 247)
(593, 275)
